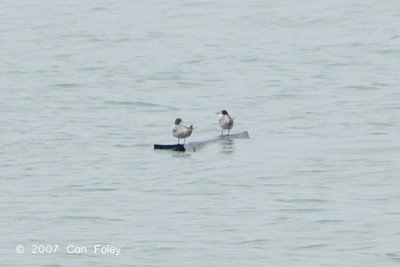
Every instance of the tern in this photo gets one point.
(225, 121)
(180, 130)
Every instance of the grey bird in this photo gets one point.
(225, 121)
(181, 131)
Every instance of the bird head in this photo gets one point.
(223, 112)
(178, 121)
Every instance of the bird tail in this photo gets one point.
(190, 130)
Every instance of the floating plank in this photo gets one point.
(193, 146)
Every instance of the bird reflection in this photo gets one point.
(227, 146)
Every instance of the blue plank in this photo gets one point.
(174, 147)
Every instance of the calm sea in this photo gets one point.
(87, 88)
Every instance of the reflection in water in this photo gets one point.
(180, 154)
(228, 146)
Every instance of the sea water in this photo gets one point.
(87, 88)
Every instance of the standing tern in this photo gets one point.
(225, 121)
(180, 130)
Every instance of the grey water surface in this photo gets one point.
(87, 88)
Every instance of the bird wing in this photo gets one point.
(230, 123)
